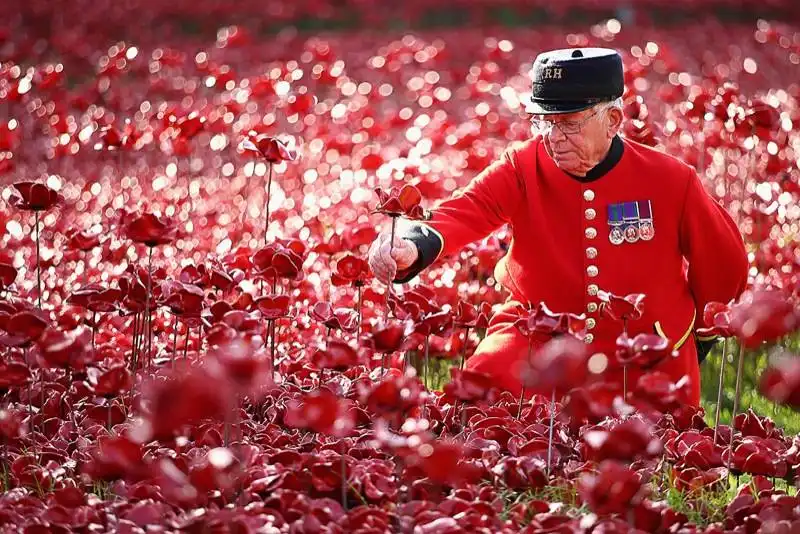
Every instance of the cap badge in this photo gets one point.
(552, 73)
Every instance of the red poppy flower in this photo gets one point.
(560, 365)
(351, 270)
(321, 411)
(757, 456)
(12, 425)
(110, 138)
(13, 374)
(658, 391)
(396, 202)
(337, 354)
(612, 490)
(718, 318)
(109, 382)
(182, 299)
(439, 323)
(625, 441)
(23, 328)
(82, 240)
(627, 308)
(343, 319)
(65, 349)
(244, 364)
(643, 350)
(186, 398)
(34, 196)
(279, 261)
(767, 315)
(273, 307)
(96, 298)
(188, 127)
(468, 386)
(780, 383)
(691, 480)
(540, 324)
(389, 336)
(591, 404)
(393, 396)
(271, 149)
(114, 458)
(8, 275)
(151, 230)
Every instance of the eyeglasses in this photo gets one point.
(567, 127)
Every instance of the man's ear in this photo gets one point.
(614, 123)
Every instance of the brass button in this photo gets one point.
(591, 253)
(592, 271)
(590, 214)
(589, 338)
(591, 233)
(590, 323)
(592, 290)
(591, 307)
(588, 195)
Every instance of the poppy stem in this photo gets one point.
(625, 383)
(134, 344)
(148, 317)
(266, 204)
(522, 394)
(175, 341)
(719, 388)
(464, 349)
(344, 474)
(550, 431)
(427, 358)
(108, 421)
(358, 325)
(738, 397)
(391, 250)
(272, 343)
(94, 329)
(186, 342)
(38, 262)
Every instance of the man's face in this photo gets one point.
(576, 153)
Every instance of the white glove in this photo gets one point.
(385, 266)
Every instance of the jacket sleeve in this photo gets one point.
(490, 200)
(714, 249)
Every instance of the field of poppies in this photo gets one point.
(191, 339)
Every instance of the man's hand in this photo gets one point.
(385, 266)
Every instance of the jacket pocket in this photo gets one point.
(686, 334)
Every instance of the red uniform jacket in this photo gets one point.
(561, 252)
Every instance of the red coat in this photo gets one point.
(561, 252)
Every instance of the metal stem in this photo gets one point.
(38, 263)
(719, 388)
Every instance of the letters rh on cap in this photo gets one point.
(554, 73)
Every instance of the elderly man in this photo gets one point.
(589, 211)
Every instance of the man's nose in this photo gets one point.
(555, 133)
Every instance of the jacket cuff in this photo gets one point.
(429, 243)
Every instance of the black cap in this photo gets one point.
(574, 79)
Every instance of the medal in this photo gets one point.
(646, 229)
(616, 235)
(630, 217)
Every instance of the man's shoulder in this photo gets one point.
(522, 151)
(651, 156)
